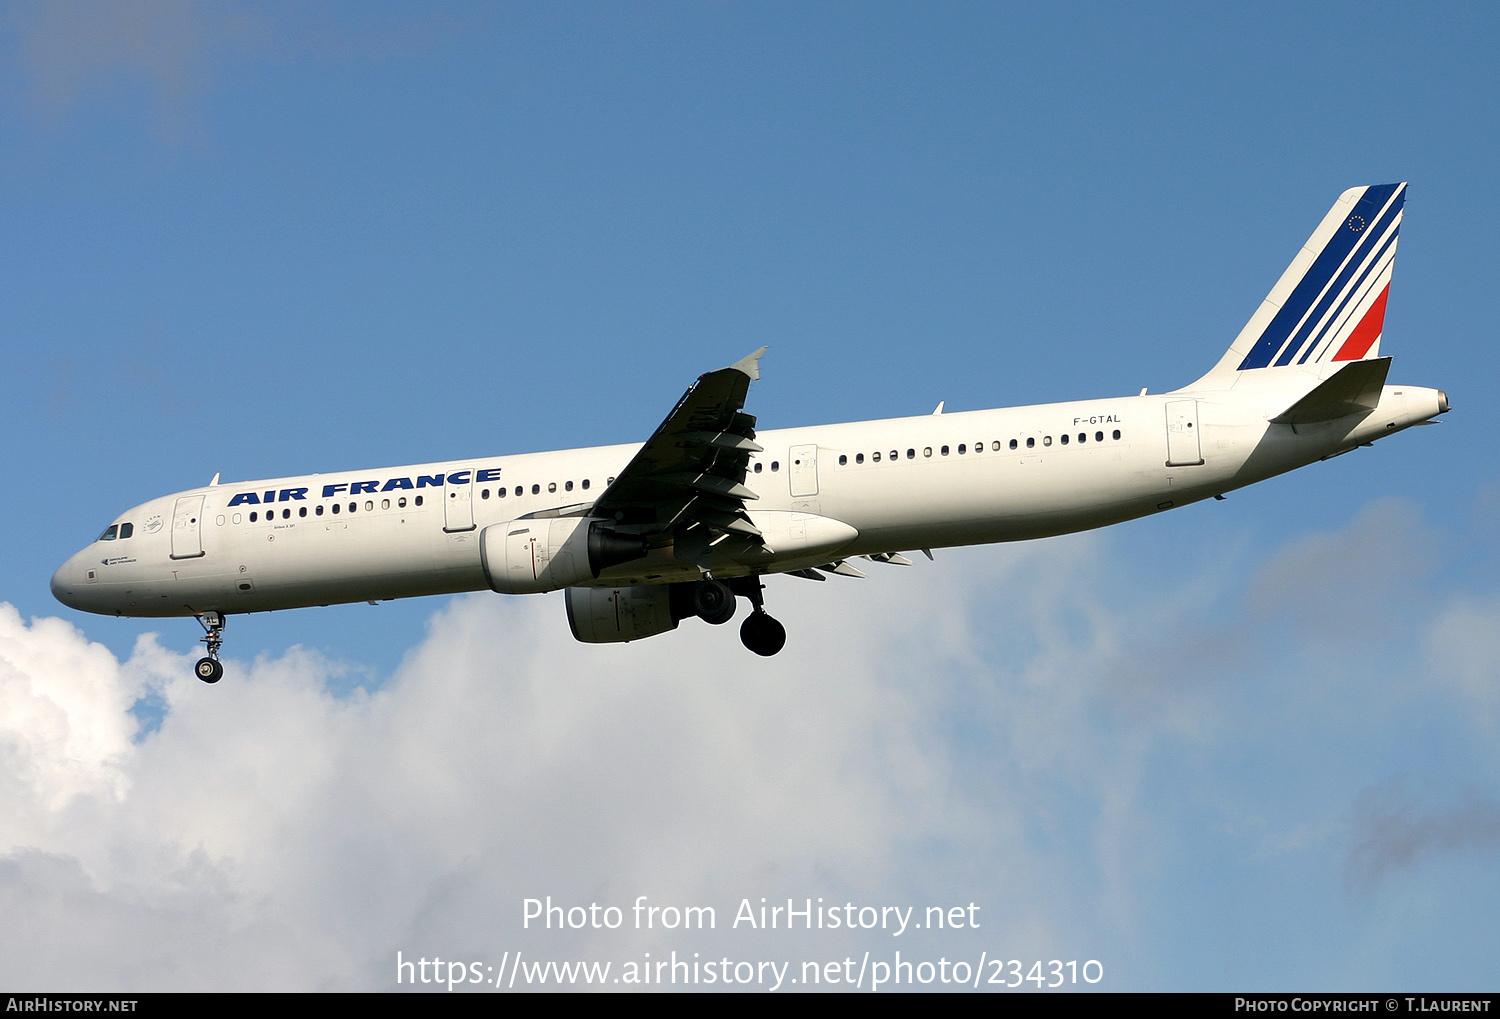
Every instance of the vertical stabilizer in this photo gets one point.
(1329, 305)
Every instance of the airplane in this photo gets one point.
(642, 536)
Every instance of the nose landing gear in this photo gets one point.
(210, 669)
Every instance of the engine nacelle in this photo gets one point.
(607, 615)
(533, 555)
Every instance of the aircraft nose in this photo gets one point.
(65, 583)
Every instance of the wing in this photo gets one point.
(686, 485)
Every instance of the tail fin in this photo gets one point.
(1329, 305)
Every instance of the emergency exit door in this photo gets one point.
(803, 470)
(458, 502)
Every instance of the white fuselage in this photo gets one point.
(939, 480)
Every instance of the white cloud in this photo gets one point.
(63, 716)
(1017, 726)
(300, 836)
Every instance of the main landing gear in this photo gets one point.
(762, 634)
(759, 632)
(714, 602)
(209, 668)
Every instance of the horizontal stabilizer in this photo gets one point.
(1353, 389)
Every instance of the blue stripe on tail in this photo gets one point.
(1369, 240)
(1345, 239)
(1354, 293)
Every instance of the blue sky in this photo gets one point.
(1249, 744)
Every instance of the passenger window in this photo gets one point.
(286, 514)
(1117, 433)
(1047, 441)
(926, 450)
(126, 530)
(109, 532)
(843, 460)
(996, 446)
(859, 458)
(253, 517)
(386, 503)
(945, 450)
(1012, 443)
(552, 486)
(484, 494)
(236, 518)
(353, 506)
(568, 487)
(418, 500)
(775, 465)
(1030, 443)
(318, 510)
(1098, 436)
(1083, 436)
(874, 457)
(518, 493)
(585, 484)
(961, 449)
(401, 502)
(757, 468)
(911, 454)
(1065, 438)
(369, 505)
(536, 489)
(337, 508)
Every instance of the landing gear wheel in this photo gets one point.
(762, 634)
(713, 602)
(209, 669)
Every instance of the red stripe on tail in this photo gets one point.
(1367, 332)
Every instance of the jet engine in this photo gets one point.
(532, 555)
(608, 615)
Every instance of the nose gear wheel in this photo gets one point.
(209, 668)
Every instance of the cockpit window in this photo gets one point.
(109, 533)
(126, 530)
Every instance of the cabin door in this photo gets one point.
(187, 528)
(1183, 447)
